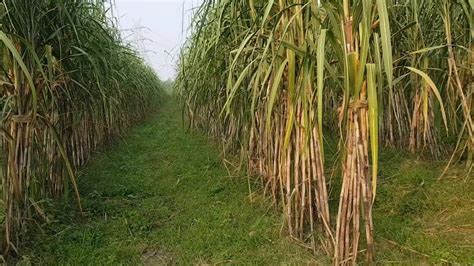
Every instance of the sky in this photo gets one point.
(157, 29)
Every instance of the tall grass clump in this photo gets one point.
(69, 85)
(273, 79)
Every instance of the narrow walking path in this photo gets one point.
(162, 195)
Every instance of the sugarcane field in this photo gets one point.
(237, 132)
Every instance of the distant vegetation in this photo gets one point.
(168, 86)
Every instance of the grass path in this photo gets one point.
(162, 195)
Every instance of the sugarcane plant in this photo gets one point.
(69, 86)
(273, 79)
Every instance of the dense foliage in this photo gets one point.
(69, 86)
(273, 79)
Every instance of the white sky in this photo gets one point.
(155, 27)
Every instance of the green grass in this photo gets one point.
(420, 219)
(162, 195)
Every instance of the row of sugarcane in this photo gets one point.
(69, 86)
(274, 79)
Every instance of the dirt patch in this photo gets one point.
(156, 256)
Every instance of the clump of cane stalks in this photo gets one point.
(69, 86)
(272, 79)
